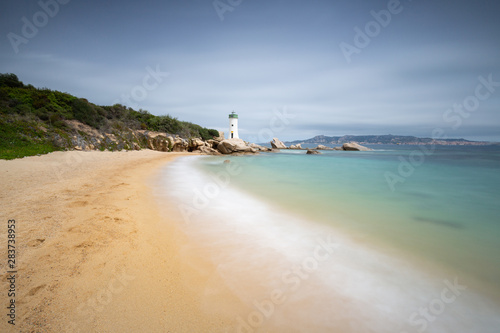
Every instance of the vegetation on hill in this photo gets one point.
(30, 119)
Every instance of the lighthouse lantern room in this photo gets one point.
(233, 126)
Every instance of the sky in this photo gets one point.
(290, 69)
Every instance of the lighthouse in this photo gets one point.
(233, 126)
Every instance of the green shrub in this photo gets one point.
(23, 109)
(213, 132)
(84, 112)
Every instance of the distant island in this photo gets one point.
(388, 140)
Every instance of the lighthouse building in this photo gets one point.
(233, 126)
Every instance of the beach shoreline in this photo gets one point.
(93, 252)
(260, 249)
(102, 246)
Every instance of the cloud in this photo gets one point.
(269, 55)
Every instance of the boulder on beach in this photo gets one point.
(353, 146)
(196, 144)
(208, 150)
(179, 144)
(230, 146)
(277, 144)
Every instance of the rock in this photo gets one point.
(258, 147)
(322, 147)
(213, 143)
(208, 150)
(277, 144)
(157, 142)
(353, 146)
(313, 152)
(227, 161)
(297, 146)
(180, 144)
(195, 144)
(337, 148)
(230, 146)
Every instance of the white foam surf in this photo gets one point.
(299, 276)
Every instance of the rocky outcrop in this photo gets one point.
(208, 150)
(297, 146)
(83, 137)
(213, 143)
(312, 152)
(322, 147)
(179, 144)
(353, 146)
(220, 137)
(204, 147)
(230, 146)
(196, 143)
(259, 148)
(277, 144)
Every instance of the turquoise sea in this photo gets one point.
(398, 239)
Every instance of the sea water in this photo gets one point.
(398, 239)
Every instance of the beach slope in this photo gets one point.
(92, 252)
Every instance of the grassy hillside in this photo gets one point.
(30, 119)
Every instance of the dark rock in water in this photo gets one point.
(444, 223)
(313, 152)
(353, 146)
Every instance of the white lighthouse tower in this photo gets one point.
(233, 126)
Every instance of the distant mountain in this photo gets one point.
(385, 139)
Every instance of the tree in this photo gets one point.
(10, 80)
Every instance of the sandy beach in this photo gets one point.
(93, 253)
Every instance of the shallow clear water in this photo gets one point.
(404, 219)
